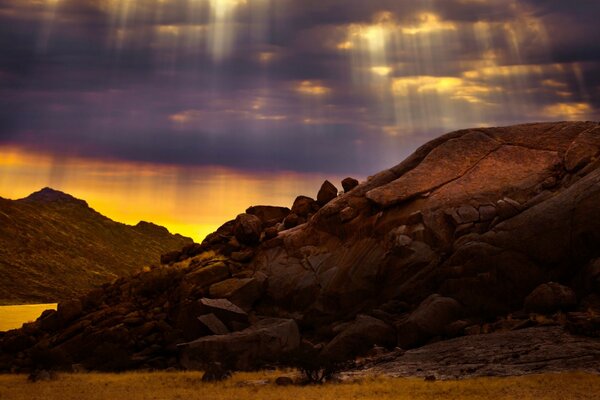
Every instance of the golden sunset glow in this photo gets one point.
(191, 201)
(312, 88)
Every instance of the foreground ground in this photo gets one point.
(188, 386)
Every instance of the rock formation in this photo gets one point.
(455, 240)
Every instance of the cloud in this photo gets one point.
(321, 86)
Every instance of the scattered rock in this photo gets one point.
(327, 193)
(303, 206)
(247, 229)
(348, 184)
(269, 215)
(550, 297)
(467, 214)
(69, 310)
(487, 212)
(291, 221)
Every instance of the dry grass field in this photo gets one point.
(187, 386)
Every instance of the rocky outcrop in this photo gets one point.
(513, 353)
(453, 241)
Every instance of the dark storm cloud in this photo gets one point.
(282, 91)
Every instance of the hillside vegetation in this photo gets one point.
(54, 247)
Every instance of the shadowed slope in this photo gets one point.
(54, 247)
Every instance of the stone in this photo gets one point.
(269, 215)
(291, 221)
(207, 275)
(213, 324)
(487, 212)
(223, 309)
(464, 229)
(430, 319)
(550, 297)
(303, 206)
(241, 292)
(348, 214)
(266, 341)
(467, 214)
(271, 233)
(506, 209)
(348, 184)
(243, 256)
(327, 193)
(358, 338)
(69, 310)
(247, 229)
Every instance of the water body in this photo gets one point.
(12, 317)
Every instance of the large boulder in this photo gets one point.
(268, 340)
(327, 193)
(69, 310)
(348, 184)
(550, 297)
(359, 337)
(430, 319)
(247, 229)
(242, 292)
(303, 206)
(269, 215)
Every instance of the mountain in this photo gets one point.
(479, 231)
(54, 247)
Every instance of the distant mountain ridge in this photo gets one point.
(53, 246)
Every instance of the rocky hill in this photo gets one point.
(479, 231)
(54, 247)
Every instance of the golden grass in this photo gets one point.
(187, 386)
(12, 317)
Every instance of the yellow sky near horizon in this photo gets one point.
(192, 201)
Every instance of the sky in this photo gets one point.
(185, 112)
